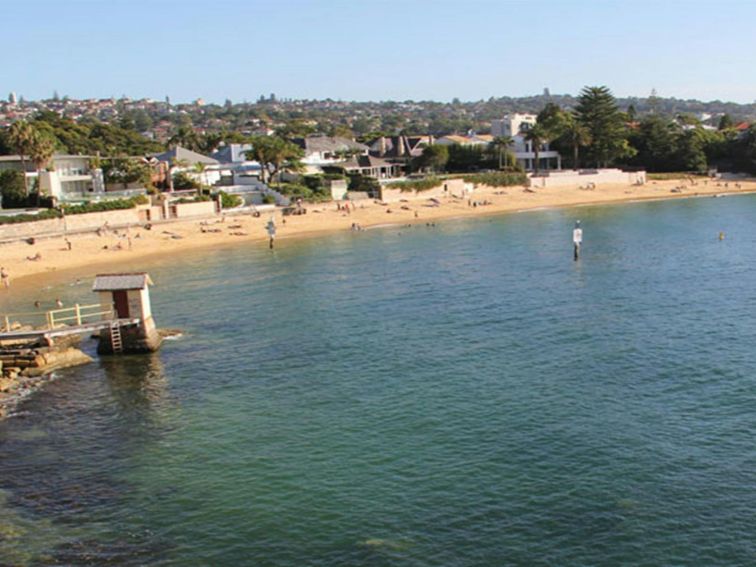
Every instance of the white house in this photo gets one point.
(69, 177)
(515, 126)
(328, 150)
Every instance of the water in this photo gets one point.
(458, 395)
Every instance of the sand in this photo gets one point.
(90, 251)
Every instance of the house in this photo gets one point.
(235, 167)
(515, 126)
(470, 139)
(233, 154)
(321, 151)
(182, 159)
(189, 157)
(370, 166)
(401, 148)
(68, 178)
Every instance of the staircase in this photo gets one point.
(116, 341)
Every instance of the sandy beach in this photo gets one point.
(113, 248)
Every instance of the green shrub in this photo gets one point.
(43, 215)
(416, 185)
(12, 189)
(182, 181)
(229, 201)
(114, 205)
(268, 199)
(362, 183)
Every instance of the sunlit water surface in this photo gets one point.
(458, 395)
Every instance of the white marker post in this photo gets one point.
(577, 239)
(271, 227)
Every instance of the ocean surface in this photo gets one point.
(457, 395)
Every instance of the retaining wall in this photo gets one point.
(73, 223)
(584, 177)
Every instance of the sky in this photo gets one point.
(377, 50)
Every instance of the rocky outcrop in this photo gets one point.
(23, 369)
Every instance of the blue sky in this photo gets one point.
(377, 50)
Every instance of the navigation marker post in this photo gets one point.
(577, 239)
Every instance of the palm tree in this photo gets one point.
(201, 169)
(21, 136)
(41, 151)
(502, 144)
(577, 135)
(536, 135)
(185, 137)
(173, 166)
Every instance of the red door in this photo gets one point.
(121, 300)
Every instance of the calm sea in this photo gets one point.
(457, 395)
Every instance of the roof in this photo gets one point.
(364, 162)
(14, 158)
(232, 153)
(182, 154)
(400, 146)
(334, 144)
(117, 282)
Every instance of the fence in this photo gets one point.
(77, 316)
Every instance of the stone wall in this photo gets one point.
(203, 208)
(446, 187)
(73, 223)
(584, 177)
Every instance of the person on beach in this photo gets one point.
(58, 303)
(5, 277)
(68, 244)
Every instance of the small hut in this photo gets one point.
(133, 329)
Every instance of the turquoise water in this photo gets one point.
(458, 395)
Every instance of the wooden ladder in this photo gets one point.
(116, 341)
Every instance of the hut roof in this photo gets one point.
(116, 282)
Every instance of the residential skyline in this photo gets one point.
(379, 51)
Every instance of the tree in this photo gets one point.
(501, 145)
(274, 155)
(434, 157)
(175, 166)
(691, 150)
(537, 136)
(598, 113)
(21, 139)
(41, 152)
(553, 120)
(201, 169)
(726, 122)
(12, 189)
(185, 137)
(575, 135)
(656, 141)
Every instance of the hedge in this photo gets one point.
(114, 205)
(416, 185)
(44, 215)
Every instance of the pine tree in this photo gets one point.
(597, 111)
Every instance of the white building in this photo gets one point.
(69, 177)
(515, 126)
(328, 150)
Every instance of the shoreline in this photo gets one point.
(182, 236)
